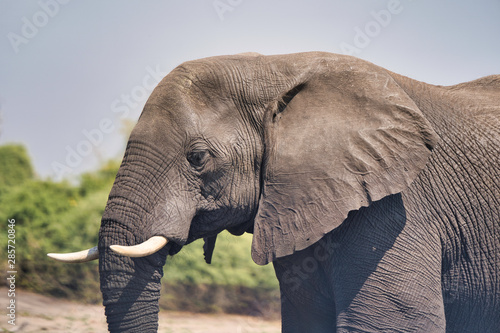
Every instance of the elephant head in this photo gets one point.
(281, 146)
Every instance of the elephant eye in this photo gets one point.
(198, 158)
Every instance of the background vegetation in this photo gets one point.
(61, 217)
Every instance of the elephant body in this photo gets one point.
(425, 260)
(375, 196)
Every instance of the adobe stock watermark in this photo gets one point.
(364, 35)
(11, 271)
(224, 6)
(31, 26)
(95, 137)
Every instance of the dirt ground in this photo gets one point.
(36, 313)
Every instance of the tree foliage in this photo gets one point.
(15, 165)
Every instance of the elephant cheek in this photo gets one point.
(173, 219)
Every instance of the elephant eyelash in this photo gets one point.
(198, 158)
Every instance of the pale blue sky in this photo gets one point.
(82, 66)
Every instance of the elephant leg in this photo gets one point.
(386, 273)
(306, 300)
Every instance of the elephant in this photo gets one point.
(375, 196)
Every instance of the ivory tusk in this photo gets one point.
(76, 257)
(150, 246)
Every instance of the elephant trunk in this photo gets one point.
(140, 208)
(130, 286)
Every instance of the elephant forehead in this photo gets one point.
(177, 120)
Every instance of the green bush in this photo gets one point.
(52, 217)
(231, 265)
(15, 166)
(233, 283)
(101, 179)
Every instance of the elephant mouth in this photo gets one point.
(152, 245)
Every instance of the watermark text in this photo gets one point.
(11, 272)
(222, 7)
(30, 27)
(363, 35)
(94, 137)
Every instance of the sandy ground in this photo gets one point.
(36, 313)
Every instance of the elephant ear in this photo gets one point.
(334, 144)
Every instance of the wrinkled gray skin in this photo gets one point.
(327, 160)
